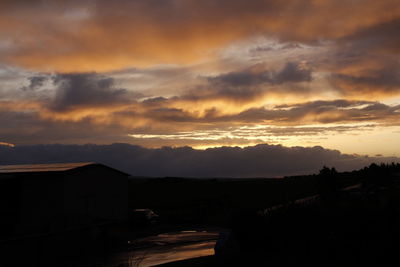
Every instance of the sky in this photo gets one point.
(202, 74)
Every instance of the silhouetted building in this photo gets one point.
(46, 198)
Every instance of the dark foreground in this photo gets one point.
(168, 247)
(330, 219)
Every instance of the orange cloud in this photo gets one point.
(78, 36)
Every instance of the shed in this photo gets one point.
(43, 198)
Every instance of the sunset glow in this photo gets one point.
(202, 73)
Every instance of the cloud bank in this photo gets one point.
(254, 161)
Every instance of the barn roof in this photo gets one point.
(50, 167)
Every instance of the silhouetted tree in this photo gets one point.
(327, 181)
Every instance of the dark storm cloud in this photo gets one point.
(323, 112)
(169, 114)
(291, 72)
(242, 78)
(155, 100)
(252, 82)
(367, 61)
(254, 161)
(85, 89)
(382, 80)
(339, 103)
(382, 37)
(31, 128)
(269, 48)
(35, 82)
(317, 111)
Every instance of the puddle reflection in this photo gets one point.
(170, 247)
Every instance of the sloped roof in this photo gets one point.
(50, 167)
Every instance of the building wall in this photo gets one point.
(40, 205)
(9, 205)
(53, 214)
(54, 201)
(95, 194)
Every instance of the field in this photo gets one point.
(329, 219)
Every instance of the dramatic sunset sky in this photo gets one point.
(202, 73)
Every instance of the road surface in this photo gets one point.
(168, 247)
